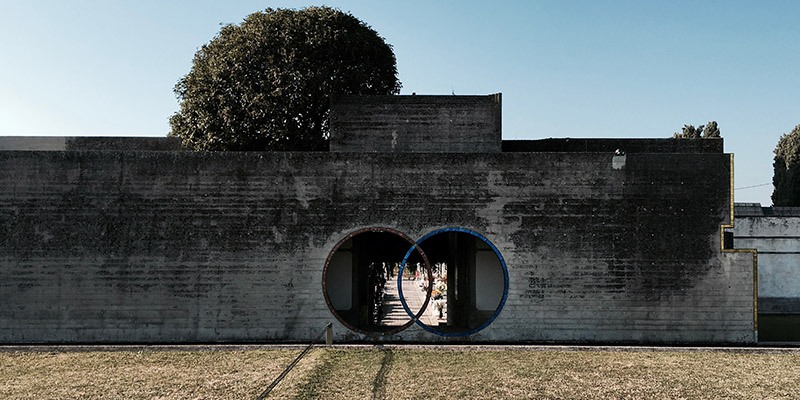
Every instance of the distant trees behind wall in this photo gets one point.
(707, 131)
(266, 84)
(786, 176)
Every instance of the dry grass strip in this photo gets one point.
(401, 373)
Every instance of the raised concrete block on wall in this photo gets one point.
(448, 124)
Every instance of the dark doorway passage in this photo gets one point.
(360, 280)
(468, 282)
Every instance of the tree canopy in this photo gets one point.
(786, 176)
(266, 84)
(707, 131)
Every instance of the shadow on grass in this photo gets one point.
(379, 385)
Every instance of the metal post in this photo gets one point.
(329, 334)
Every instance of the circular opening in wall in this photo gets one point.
(361, 277)
(469, 282)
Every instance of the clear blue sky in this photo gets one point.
(633, 69)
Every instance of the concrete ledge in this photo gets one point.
(779, 305)
(99, 143)
(787, 347)
(611, 145)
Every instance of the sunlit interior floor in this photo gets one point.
(395, 315)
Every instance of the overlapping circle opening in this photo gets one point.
(450, 282)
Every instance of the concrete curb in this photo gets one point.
(789, 348)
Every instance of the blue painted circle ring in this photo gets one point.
(415, 317)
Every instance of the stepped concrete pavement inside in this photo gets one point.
(395, 315)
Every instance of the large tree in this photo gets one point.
(786, 177)
(266, 84)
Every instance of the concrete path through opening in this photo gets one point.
(395, 315)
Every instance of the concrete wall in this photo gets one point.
(454, 124)
(218, 247)
(775, 233)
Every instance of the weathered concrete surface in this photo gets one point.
(106, 143)
(775, 233)
(613, 145)
(450, 124)
(230, 247)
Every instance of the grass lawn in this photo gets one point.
(401, 373)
